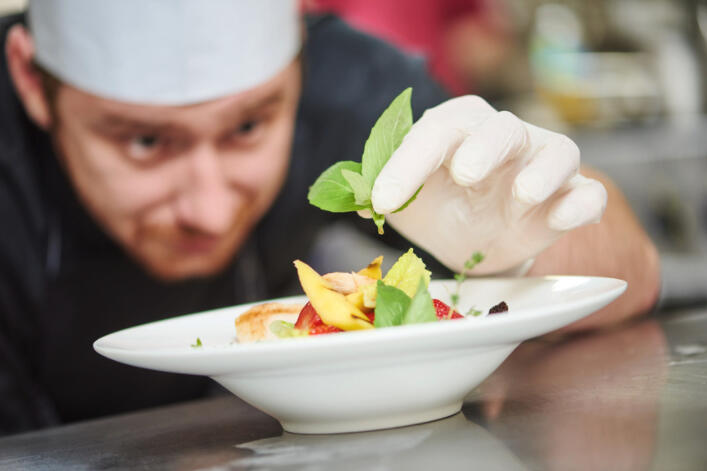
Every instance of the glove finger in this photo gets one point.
(464, 112)
(430, 142)
(584, 203)
(421, 153)
(500, 137)
(551, 166)
(365, 213)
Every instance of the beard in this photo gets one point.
(177, 252)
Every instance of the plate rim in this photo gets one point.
(356, 338)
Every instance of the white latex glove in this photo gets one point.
(493, 184)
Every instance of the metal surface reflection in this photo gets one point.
(628, 399)
(588, 402)
(454, 442)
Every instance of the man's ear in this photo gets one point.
(19, 49)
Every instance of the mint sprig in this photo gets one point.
(469, 264)
(346, 186)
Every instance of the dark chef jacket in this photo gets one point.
(64, 283)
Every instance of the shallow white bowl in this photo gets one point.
(372, 379)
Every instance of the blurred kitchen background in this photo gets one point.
(627, 79)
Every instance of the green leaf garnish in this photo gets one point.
(421, 308)
(284, 329)
(197, 344)
(475, 259)
(394, 307)
(391, 305)
(386, 135)
(332, 192)
(378, 220)
(361, 190)
(412, 198)
(469, 264)
(346, 187)
(406, 272)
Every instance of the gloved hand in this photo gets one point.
(492, 183)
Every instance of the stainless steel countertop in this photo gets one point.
(632, 398)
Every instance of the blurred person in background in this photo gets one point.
(463, 41)
(165, 171)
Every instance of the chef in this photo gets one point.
(155, 159)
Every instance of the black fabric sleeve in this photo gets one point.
(23, 404)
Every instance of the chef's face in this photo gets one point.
(179, 187)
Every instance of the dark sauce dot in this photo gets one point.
(498, 308)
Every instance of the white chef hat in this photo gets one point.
(170, 52)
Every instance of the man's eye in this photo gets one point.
(143, 147)
(248, 127)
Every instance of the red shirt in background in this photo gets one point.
(416, 26)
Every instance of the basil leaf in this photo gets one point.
(391, 305)
(421, 308)
(386, 136)
(361, 190)
(346, 186)
(378, 220)
(412, 198)
(331, 191)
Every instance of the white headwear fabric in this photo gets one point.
(171, 52)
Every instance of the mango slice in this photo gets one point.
(356, 299)
(332, 307)
(373, 270)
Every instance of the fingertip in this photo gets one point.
(364, 213)
(583, 205)
(421, 153)
(530, 187)
(553, 168)
(387, 196)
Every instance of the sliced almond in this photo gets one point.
(347, 283)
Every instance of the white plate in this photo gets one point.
(371, 379)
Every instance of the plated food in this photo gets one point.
(372, 378)
(340, 302)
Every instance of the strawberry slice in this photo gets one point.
(310, 322)
(323, 329)
(308, 318)
(442, 311)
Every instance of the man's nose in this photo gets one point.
(205, 202)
